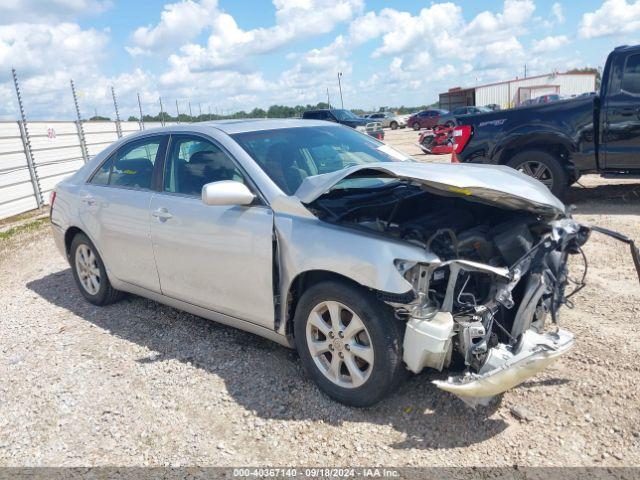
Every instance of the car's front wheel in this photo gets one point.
(416, 126)
(393, 125)
(349, 343)
(90, 273)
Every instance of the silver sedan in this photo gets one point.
(328, 241)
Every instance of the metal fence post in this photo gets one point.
(115, 105)
(161, 112)
(26, 143)
(140, 108)
(79, 128)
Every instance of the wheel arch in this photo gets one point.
(553, 144)
(305, 280)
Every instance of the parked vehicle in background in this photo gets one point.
(348, 118)
(556, 142)
(493, 106)
(333, 243)
(425, 118)
(449, 119)
(389, 119)
(551, 97)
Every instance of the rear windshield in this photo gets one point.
(289, 155)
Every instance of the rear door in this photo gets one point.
(621, 114)
(115, 210)
(216, 257)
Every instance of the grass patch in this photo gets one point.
(27, 227)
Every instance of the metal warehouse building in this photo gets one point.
(512, 93)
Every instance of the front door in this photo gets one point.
(216, 257)
(621, 114)
(115, 211)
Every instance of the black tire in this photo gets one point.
(527, 162)
(416, 126)
(449, 124)
(387, 369)
(394, 125)
(105, 294)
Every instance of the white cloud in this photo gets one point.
(229, 44)
(38, 48)
(179, 23)
(549, 43)
(557, 12)
(614, 17)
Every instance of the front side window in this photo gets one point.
(193, 162)
(631, 75)
(289, 155)
(131, 166)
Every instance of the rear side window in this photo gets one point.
(131, 166)
(631, 75)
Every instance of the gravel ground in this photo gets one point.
(138, 383)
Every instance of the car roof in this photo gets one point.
(233, 126)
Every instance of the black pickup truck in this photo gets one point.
(557, 142)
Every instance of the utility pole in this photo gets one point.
(177, 111)
(199, 110)
(161, 112)
(340, 88)
(328, 99)
(140, 108)
(190, 114)
(525, 70)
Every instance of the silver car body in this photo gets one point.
(218, 262)
(387, 118)
(163, 260)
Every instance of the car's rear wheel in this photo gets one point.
(393, 125)
(416, 126)
(543, 167)
(90, 273)
(349, 343)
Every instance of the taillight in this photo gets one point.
(461, 136)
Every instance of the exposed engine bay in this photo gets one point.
(482, 309)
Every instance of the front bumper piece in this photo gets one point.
(508, 366)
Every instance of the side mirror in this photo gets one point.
(226, 192)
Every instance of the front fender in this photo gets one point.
(306, 244)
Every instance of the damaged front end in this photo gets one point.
(482, 310)
(495, 314)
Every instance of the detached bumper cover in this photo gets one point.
(504, 369)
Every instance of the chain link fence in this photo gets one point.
(36, 155)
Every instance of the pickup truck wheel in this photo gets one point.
(349, 343)
(90, 273)
(394, 125)
(416, 126)
(543, 167)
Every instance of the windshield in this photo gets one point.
(289, 155)
(344, 114)
(484, 109)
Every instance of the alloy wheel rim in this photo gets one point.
(340, 344)
(87, 269)
(537, 170)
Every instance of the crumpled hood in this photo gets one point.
(494, 184)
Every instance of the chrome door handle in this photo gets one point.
(89, 200)
(162, 214)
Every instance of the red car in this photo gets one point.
(425, 118)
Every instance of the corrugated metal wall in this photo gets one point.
(506, 94)
(55, 151)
